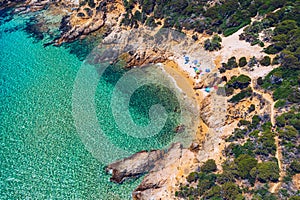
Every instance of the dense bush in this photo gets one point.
(295, 167)
(242, 62)
(230, 191)
(266, 171)
(288, 133)
(266, 61)
(213, 44)
(243, 94)
(240, 82)
(244, 165)
(209, 166)
(280, 103)
(266, 144)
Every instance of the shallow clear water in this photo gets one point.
(42, 155)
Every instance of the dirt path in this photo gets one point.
(278, 155)
(266, 96)
(275, 187)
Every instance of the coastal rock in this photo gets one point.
(213, 110)
(209, 80)
(177, 162)
(133, 166)
(130, 46)
(163, 168)
(85, 20)
(81, 30)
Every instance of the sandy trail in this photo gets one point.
(278, 155)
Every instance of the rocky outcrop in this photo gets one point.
(209, 80)
(134, 166)
(136, 47)
(162, 167)
(82, 30)
(82, 24)
(32, 5)
(79, 20)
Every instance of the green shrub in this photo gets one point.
(213, 193)
(192, 177)
(244, 165)
(280, 103)
(243, 122)
(275, 60)
(266, 61)
(280, 121)
(231, 63)
(243, 94)
(242, 62)
(226, 176)
(213, 44)
(295, 198)
(209, 166)
(240, 82)
(288, 133)
(230, 191)
(295, 167)
(266, 171)
(229, 91)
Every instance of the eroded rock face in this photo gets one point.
(79, 20)
(83, 24)
(162, 167)
(213, 110)
(134, 166)
(137, 47)
(82, 30)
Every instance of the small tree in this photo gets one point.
(244, 164)
(213, 44)
(266, 61)
(232, 63)
(209, 166)
(295, 166)
(242, 62)
(230, 191)
(266, 171)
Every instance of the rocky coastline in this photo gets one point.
(164, 170)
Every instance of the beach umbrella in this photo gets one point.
(207, 89)
(207, 70)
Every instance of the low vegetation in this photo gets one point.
(213, 44)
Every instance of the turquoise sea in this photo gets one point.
(42, 156)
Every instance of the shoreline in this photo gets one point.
(186, 83)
